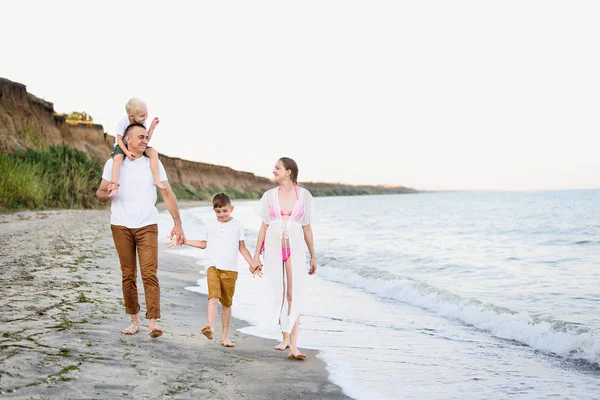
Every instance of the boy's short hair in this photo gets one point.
(131, 126)
(221, 200)
(134, 105)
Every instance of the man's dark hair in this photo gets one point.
(131, 127)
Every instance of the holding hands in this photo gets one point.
(172, 242)
(177, 237)
(113, 189)
(256, 268)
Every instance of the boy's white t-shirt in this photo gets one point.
(223, 243)
(124, 123)
(135, 204)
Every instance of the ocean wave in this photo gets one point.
(565, 242)
(551, 337)
(587, 242)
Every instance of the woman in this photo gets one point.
(286, 212)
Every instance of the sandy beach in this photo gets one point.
(61, 314)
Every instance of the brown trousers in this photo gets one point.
(145, 240)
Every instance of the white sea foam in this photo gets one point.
(553, 337)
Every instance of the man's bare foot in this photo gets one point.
(156, 332)
(226, 343)
(283, 345)
(296, 354)
(153, 330)
(131, 330)
(208, 332)
(159, 185)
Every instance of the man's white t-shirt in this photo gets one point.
(223, 243)
(135, 204)
(124, 123)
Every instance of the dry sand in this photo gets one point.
(61, 312)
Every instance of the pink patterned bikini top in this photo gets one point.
(289, 214)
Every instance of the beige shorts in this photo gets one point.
(221, 284)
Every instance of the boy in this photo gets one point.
(137, 112)
(222, 238)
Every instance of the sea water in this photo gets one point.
(444, 295)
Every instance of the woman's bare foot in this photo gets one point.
(283, 345)
(131, 330)
(296, 354)
(159, 185)
(225, 342)
(208, 332)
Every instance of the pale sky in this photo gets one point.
(433, 95)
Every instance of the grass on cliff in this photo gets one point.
(56, 177)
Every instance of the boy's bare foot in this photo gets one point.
(208, 332)
(225, 342)
(296, 354)
(159, 185)
(283, 345)
(131, 330)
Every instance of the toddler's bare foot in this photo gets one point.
(225, 342)
(208, 332)
(283, 345)
(112, 189)
(159, 185)
(131, 330)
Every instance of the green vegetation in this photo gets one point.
(357, 191)
(55, 177)
(64, 352)
(80, 116)
(63, 177)
(33, 139)
(184, 193)
(338, 192)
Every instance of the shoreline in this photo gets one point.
(183, 204)
(62, 314)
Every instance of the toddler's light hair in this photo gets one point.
(135, 105)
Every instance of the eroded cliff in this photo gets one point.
(27, 121)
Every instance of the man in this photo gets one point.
(134, 225)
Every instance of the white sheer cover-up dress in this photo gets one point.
(273, 302)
